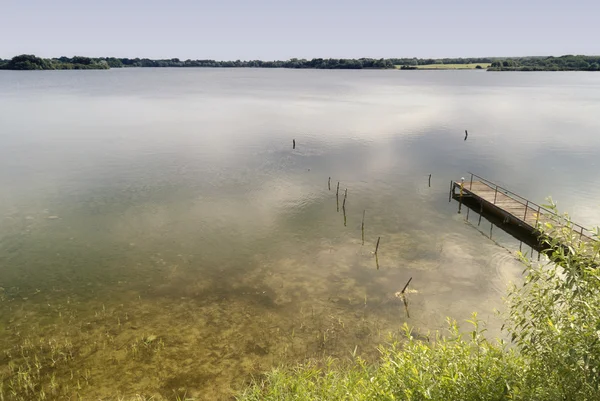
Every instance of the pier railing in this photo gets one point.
(538, 209)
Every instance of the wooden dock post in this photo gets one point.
(462, 186)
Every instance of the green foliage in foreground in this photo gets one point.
(452, 368)
(553, 321)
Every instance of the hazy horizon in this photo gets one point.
(269, 30)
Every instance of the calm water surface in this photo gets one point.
(159, 236)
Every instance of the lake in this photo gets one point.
(160, 236)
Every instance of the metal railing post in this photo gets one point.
(537, 218)
(471, 184)
(495, 194)
(525, 215)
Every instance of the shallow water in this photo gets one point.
(160, 236)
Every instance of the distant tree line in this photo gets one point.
(31, 62)
(319, 63)
(563, 63)
(428, 61)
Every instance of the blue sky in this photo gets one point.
(266, 29)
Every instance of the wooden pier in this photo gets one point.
(513, 209)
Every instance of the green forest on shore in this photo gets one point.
(550, 63)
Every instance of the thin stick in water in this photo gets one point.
(406, 285)
(362, 228)
(329, 184)
(293, 144)
(377, 246)
(429, 180)
(405, 301)
(345, 193)
(337, 191)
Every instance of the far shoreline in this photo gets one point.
(563, 63)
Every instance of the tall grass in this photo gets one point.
(454, 367)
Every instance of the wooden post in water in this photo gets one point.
(344, 206)
(462, 184)
(404, 289)
(362, 227)
(429, 180)
(405, 302)
(337, 198)
(293, 144)
(329, 183)
(450, 192)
